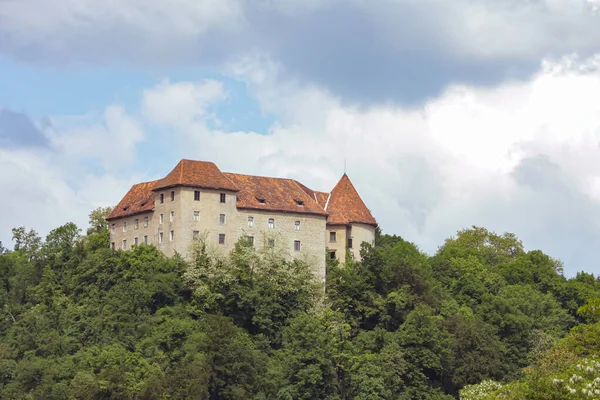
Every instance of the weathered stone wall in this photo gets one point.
(360, 233)
(310, 235)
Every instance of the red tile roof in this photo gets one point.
(139, 199)
(345, 205)
(201, 174)
(274, 194)
(342, 206)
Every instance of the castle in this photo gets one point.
(197, 200)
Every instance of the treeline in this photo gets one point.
(481, 317)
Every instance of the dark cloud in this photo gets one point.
(400, 52)
(17, 130)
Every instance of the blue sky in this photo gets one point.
(449, 114)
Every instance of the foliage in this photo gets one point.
(482, 317)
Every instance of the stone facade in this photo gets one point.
(197, 200)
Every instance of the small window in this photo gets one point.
(162, 198)
(332, 255)
(332, 236)
(124, 244)
(196, 216)
(300, 203)
(145, 239)
(262, 201)
(173, 195)
(160, 237)
(112, 245)
(297, 226)
(172, 236)
(223, 196)
(349, 243)
(161, 219)
(135, 241)
(296, 245)
(221, 238)
(251, 239)
(136, 224)
(172, 216)
(222, 219)
(250, 222)
(195, 235)
(114, 228)
(271, 223)
(145, 222)
(196, 195)
(271, 243)
(124, 226)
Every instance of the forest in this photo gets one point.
(482, 318)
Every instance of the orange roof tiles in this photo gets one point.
(273, 194)
(138, 200)
(345, 205)
(342, 206)
(200, 174)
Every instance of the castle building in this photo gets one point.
(196, 200)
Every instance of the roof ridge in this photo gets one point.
(307, 195)
(181, 171)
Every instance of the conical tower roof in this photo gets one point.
(345, 205)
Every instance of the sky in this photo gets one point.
(447, 114)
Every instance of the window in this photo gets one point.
(262, 201)
(145, 239)
(332, 255)
(271, 223)
(172, 236)
(160, 237)
(251, 239)
(197, 195)
(135, 241)
(172, 195)
(297, 245)
(349, 243)
(124, 226)
(297, 226)
(332, 236)
(300, 203)
(250, 222)
(162, 198)
(124, 244)
(112, 245)
(145, 222)
(223, 197)
(114, 228)
(271, 243)
(172, 216)
(221, 238)
(161, 219)
(136, 224)
(195, 235)
(196, 216)
(222, 219)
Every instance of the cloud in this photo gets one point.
(405, 51)
(50, 185)
(520, 156)
(111, 138)
(17, 130)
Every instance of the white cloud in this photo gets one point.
(181, 103)
(519, 157)
(112, 138)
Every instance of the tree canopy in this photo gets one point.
(480, 318)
